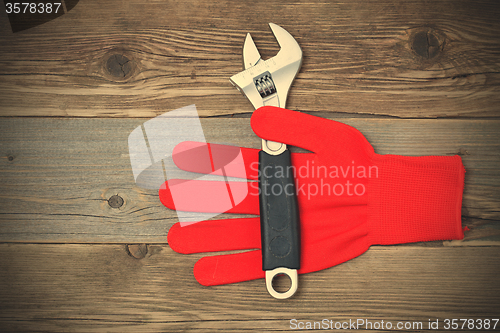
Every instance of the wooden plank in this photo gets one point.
(89, 288)
(118, 59)
(57, 175)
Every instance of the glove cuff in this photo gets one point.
(415, 199)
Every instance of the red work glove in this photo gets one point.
(385, 199)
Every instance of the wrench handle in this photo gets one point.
(279, 216)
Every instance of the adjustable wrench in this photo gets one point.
(266, 82)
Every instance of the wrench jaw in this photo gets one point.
(290, 51)
(281, 68)
(251, 55)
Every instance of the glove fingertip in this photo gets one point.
(192, 156)
(165, 196)
(204, 272)
(174, 239)
(263, 117)
(286, 126)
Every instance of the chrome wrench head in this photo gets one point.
(266, 82)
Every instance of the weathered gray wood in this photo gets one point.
(90, 288)
(359, 58)
(57, 175)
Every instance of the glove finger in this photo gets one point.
(216, 159)
(229, 268)
(205, 196)
(215, 235)
(209, 158)
(232, 268)
(309, 132)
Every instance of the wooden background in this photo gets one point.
(84, 249)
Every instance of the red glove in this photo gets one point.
(349, 198)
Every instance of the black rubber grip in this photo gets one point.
(279, 216)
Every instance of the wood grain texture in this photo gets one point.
(359, 58)
(94, 288)
(57, 175)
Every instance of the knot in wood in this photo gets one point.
(426, 44)
(115, 201)
(118, 66)
(137, 251)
